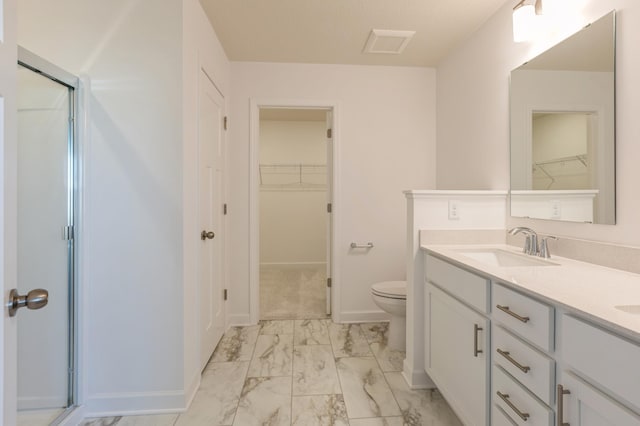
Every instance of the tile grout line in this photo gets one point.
(335, 365)
(246, 375)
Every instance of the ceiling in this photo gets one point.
(335, 31)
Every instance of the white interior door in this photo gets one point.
(8, 208)
(329, 203)
(210, 182)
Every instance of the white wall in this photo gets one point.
(473, 113)
(139, 211)
(293, 217)
(132, 235)
(385, 145)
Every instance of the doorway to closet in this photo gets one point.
(294, 171)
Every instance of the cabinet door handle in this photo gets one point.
(560, 416)
(476, 329)
(505, 398)
(506, 354)
(506, 310)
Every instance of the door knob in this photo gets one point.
(35, 299)
(207, 235)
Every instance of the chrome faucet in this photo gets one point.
(531, 240)
(544, 248)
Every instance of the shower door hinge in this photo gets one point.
(329, 133)
(328, 282)
(224, 209)
(329, 208)
(225, 122)
(67, 233)
(225, 294)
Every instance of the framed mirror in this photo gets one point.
(563, 129)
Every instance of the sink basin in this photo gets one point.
(503, 258)
(631, 309)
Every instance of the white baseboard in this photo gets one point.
(293, 264)
(192, 389)
(416, 379)
(239, 320)
(364, 316)
(133, 404)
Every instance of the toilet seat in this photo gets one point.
(390, 289)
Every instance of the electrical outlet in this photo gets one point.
(556, 209)
(454, 213)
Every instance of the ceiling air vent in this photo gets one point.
(389, 42)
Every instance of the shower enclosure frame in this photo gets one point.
(40, 66)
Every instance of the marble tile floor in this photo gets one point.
(293, 291)
(38, 417)
(304, 373)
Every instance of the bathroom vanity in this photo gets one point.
(515, 339)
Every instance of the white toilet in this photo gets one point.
(391, 297)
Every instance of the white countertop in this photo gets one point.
(590, 290)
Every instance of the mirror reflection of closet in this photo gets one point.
(563, 129)
(561, 144)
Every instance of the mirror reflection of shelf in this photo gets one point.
(574, 166)
(312, 177)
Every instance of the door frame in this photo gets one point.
(254, 198)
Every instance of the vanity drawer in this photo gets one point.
(516, 401)
(605, 358)
(528, 317)
(464, 285)
(529, 366)
(499, 417)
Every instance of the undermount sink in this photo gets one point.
(630, 309)
(503, 258)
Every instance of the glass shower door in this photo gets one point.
(45, 246)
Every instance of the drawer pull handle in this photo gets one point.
(506, 310)
(506, 354)
(560, 416)
(505, 398)
(476, 329)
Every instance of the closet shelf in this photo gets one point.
(572, 166)
(293, 176)
(582, 159)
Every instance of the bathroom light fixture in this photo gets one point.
(524, 19)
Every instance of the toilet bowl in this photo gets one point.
(391, 297)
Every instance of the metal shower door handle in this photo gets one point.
(35, 299)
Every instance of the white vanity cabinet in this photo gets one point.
(457, 339)
(585, 405)
(523, 372)
(600, 376)
(502, 355)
